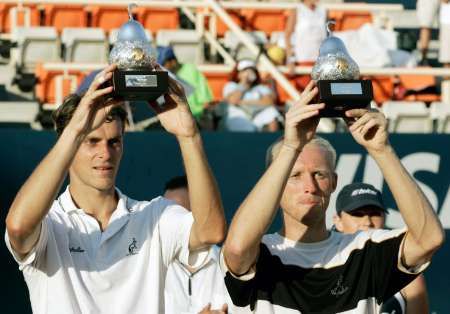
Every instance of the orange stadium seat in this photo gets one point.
(235, 16)
(26, 15)
(61, 16)
(419, 83)
(107, 17)
(155, 19)
(54, 85)
(216, 82)
(266, 20)
(383, 88)
(349, 20)
(283, 96)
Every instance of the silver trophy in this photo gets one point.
(135, 77)
(338, 79)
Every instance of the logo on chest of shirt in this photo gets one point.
(76, 250)
(339, 289)
(133, 248)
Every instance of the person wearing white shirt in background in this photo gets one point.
(308, 22)
(444, 33)
(93, 249)
(250, 104)
(188, 289)
(427, 11)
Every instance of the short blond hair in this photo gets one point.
(275, 147)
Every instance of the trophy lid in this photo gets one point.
(334, 61)
(132, 49)
(131, 30)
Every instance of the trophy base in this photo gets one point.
(140, 84)
(342, 95)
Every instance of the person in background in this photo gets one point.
(444, 34)
(201, 95)
(250, 103)
(308, 23)
(193, 290)
(427, 11)
(360, 207)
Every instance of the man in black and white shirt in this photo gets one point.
(305, 268)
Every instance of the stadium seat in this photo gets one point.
(54, 85)
(236, 16)
(85, 45)
(12, 15)
(155, 19)
(417, 86)
(349, 20)
(440, 113)
(36, 44)
(216, 82)
(283, 96)
(383, 88)
(238, 50)
(107, 17)
(62, 16)
(187, 44)
(266, 20)
(408, 117)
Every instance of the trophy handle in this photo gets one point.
(329, 31)
(131, 6)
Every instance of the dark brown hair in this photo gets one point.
(63, 115)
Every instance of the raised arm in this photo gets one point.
(35, 197)
(425, 233)
(256, 213)
(209, 225)
(290, 26)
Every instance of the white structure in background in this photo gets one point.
(85, 45)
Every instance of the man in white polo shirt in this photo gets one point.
(94, 250)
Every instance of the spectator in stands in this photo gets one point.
(444, 33)
(93, 249)
(189, 289)
(304, 267)
(250, 103)
(360, 207)
(201, 95)
(427, 11)
(308, 23)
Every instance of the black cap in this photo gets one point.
(356, 195)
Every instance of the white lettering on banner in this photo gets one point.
(347, 166)
(423, 162)
(372, 173)
(444, 214)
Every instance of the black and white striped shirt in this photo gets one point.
(343, 274)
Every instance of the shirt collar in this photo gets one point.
(69, 206)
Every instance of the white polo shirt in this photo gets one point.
(77, 268)
(189, 293)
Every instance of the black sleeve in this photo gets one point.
(387, 278)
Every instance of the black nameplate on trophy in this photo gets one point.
(342, 95)
(140, 84)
